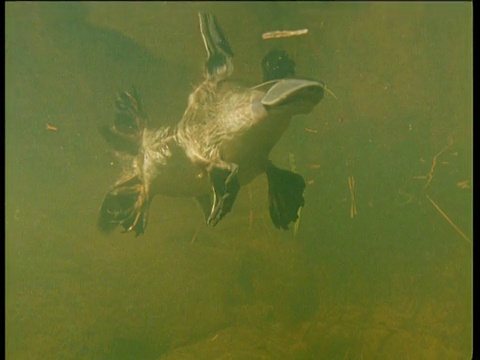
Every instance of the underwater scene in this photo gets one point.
(238, 180)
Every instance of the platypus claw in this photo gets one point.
(225, 189)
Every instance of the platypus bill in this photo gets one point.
(221, 143)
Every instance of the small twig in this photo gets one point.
(457, 229)
(429, 176)
(194, 237)
(353, 206)
(330, 92)
(283, 34)
(51, 127)
(293, 167)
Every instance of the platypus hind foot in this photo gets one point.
(225, 189)
(285, 195)
(127, 205)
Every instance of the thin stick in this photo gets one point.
(330, 92)
(266, 225)
(448, 219)
(283, 34)
(51, 127)
(293, 167)
(351, 185)
(434, 164)
(194, 237)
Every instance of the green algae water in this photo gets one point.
(379, 265)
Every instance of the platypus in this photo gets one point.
(222, 143)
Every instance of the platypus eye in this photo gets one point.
(277, 65)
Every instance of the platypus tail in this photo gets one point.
(127, 203)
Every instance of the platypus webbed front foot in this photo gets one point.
(285, 195)
(225, 189)
(127, 205)
(129, 123)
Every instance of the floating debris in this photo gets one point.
(465, 184)
(311, 131)
(194, 237)
(353, 206)
(330, 92)
(283, 34)
(461, 184)
(293, 167)
(429, 176)
(457, 229)
(51, 127)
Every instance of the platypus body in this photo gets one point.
(222, 142)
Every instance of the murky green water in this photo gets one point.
(393, 281)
